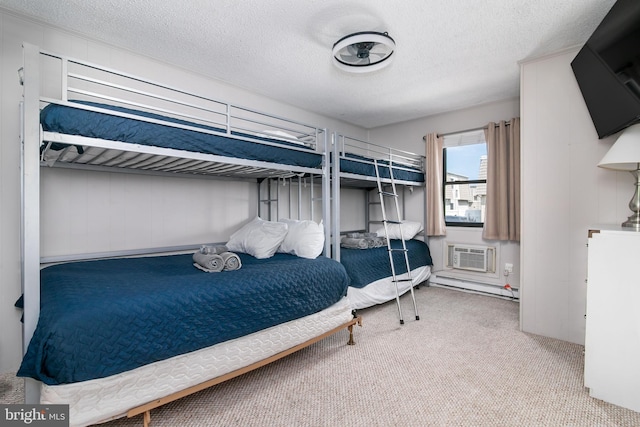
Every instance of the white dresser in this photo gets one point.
(612, 340)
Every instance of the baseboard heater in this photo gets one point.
(475, 287)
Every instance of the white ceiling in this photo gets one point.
(450, 54)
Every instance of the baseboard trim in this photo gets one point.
(474, 287)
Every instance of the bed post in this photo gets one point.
(30, 223)
(335, 205)
(326, 194)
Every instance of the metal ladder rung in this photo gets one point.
(402, 280)
(386, 193)
(397, 250)
(388, 221)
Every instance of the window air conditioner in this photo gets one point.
(473, 258)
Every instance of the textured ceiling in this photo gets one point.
(450, 54)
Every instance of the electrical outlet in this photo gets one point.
(508, 268)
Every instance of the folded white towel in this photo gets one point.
(210, 263)
(231, 261)
(354, 243)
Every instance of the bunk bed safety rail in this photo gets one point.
(366, 152)
(84, 81)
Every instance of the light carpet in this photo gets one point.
(464, 363)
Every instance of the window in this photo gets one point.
(465, 179)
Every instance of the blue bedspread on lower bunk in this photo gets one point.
(77, 121)
(100, 318)
(360, 165)
(365, 266)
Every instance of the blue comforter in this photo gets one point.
(77, 121)
(100, 318)
(365, 266)
(353, 163)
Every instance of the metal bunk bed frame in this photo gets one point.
(99, 154)
(371, 153)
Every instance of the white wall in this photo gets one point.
(408, 136)
(95, 212)
(99, 212)
(564, 194)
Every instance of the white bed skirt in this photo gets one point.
(104, 399)
(383, 290)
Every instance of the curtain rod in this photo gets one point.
(424, 138)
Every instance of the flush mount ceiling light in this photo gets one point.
(363, 52)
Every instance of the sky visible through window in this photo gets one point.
(465, 160)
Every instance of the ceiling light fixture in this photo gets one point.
(363, 52)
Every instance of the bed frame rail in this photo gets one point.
(398, 159)
(64, 79)
(146, 408)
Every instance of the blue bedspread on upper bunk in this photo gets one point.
(365, 266)
(367, 168)
(100, 318)
(77, 121)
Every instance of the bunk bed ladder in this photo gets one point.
(394, 195)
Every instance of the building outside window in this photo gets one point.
(465, 179)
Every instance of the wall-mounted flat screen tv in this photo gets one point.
(607, 69)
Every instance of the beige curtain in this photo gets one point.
(502, 216)
(435, 212)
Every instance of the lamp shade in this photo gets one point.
(624, 154)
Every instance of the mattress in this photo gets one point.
(71, 120)
(383, 290)
(359, 165)
(365, 266)
(107, 398)
(101, 318)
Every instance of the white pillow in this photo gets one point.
(259, 238)
(409, 230)
(304, 238)
(282, 135)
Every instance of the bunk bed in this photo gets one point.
(119, 335)
(353, 165)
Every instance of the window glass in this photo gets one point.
(465, 181)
